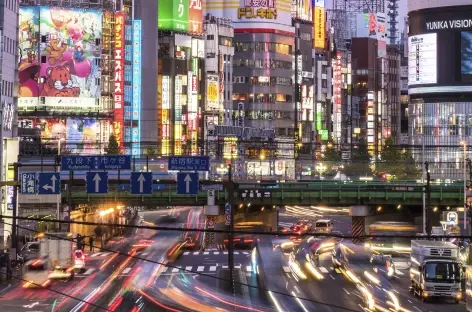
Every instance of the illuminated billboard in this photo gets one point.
(212, 92)
(165, 118)
(28, 67)
(173, 15)
(337, 93)
(372, 25)
(251, 15)
(422, 59)
(319, 24)
(70, 49)
(195, 16)
(118, 93)
(137, 38)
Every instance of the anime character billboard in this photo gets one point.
(69, 50)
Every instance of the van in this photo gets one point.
(323, 226)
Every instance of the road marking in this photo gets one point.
(213, 268)
(338, 271)
(126, 271)
(196, 253)
(296, 289)
(332, 276)
(417, 309)
(186, 253)
(399, 272)
(236, 253)
(175, 270)
(288, 275)
(360, 306)
(200, 268)
(216, 253)
(249, 268)
(286, 269)
(89, 271)
(345, 290)
(410, 301)
(225, 252)
(224, 266)
(188, 268)
(165, 269)
(245, 252)
(396, 291)
(323, 270)
(206, 253)
(144, 254)
(237, 266)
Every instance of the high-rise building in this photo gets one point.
(180, 80)
(8, 102)
(440, 85)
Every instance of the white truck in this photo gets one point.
(435, 270)
(58, 259)
(468, 288)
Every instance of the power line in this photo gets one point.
(268, 233)
(197, 273)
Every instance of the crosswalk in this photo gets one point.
(213, 253)
(203, 269)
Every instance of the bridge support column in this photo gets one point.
(358, 214)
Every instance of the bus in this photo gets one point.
(393, 245)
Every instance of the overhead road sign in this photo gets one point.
(141, 183)
(49, 183)
(28, 183)
(189, 163)
(211, 187)
(187, 183)
(97, 182)
(100, 162)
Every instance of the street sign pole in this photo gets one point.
(231, 226)
(14, 221)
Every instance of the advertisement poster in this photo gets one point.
(84, 132)
(69, 48)
(302, 9)
(195, 17)
(319, 24)
(173, 15)
(212, 92)
(51, 128)
(28, 67)
(422, 59)
(466, 55)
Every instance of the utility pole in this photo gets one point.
(231, 226)
(428, 200)
(14, 230)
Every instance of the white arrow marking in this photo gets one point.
(97, 180)
(53, 186)
(187, 180)
(141, 180)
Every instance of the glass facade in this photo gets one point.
(437, 132)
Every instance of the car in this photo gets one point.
(79, 261)
(301, 227)
(29, 251)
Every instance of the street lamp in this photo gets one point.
(320, 168)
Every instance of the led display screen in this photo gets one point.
(466, 55)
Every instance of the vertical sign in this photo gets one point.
(119, 83)
(180, 15)
(195, 18)
(337, 86)
(319, 24)
(165, 131)
(212, 92)
(136, 135)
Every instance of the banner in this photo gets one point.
(319, 25)
(118, 93)
(212, 92)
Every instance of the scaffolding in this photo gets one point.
(342, 17)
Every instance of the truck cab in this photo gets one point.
(435, 270)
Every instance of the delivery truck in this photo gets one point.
(435, 270)
(58, 259)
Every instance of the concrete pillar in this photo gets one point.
(358, 214)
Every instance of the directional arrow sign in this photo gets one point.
(141, 182)
(187, 183)
(49, 183)
(97, 182)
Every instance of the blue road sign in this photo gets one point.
(141, 182)
(189, 163)
(101, 162)
(28, 183)
(49, 183)
(97, 182)
(187, 183)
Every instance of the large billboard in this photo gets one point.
(195, 16)
(28, 67)
(422, 59)
(319, 24)
(372, 25)
(441, 40)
